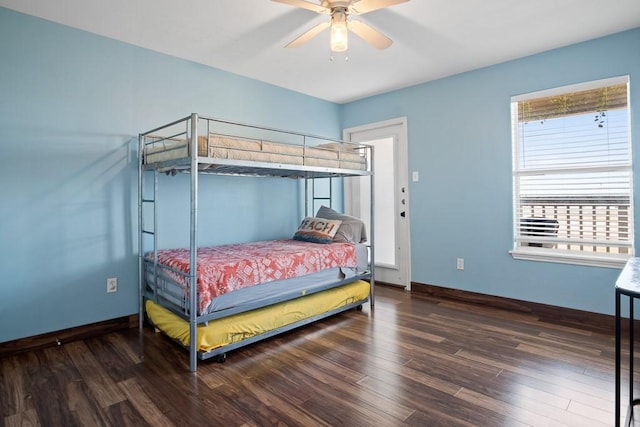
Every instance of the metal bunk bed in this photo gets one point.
(189, 145)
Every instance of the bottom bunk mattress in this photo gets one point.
(238, 327)
(236, 274)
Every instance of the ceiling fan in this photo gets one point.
(340, 10)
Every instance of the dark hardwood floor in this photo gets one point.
(416, 361)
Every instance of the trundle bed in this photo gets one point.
(215, 299)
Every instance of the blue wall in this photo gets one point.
(71, 106)
(460, 141)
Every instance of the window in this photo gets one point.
(572, 175)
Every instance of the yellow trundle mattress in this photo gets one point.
(235, 328)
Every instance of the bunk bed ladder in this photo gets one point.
(147, 235)
(317, 195)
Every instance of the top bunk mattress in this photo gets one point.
(222, 147)
(227, 268)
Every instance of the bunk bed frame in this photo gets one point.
(185, 140)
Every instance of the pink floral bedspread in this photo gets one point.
(222, 269)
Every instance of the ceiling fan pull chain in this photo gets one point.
(331, 57)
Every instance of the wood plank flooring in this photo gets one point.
(415, 360)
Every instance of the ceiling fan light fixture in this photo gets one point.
(340, 10)
(339, 34)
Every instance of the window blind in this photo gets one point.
(572, 173)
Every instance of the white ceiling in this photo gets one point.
(432, 38)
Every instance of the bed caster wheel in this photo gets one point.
(221, 357)
(359, 308)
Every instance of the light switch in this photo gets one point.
(414, 176)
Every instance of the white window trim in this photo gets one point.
(572, 257)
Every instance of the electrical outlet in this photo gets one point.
(460, 264)
(112, 284)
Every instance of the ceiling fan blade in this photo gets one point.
(365, 6)
(305, 5)
(309, 34)
(374, 37)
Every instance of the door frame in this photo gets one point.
(402, 174)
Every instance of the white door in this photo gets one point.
(391, 198)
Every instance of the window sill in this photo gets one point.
(611, 261)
